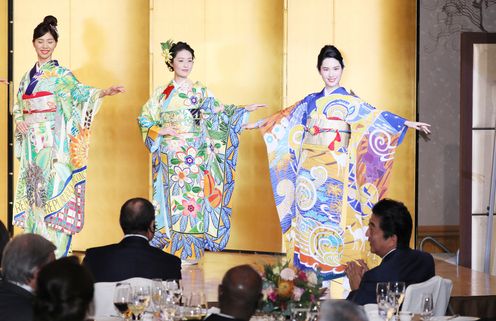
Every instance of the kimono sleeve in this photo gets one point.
(149, 121)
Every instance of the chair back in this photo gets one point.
(441, 292)
(104, 296)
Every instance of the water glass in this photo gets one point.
(158, 291)
(122, 298)
(381, 292)
(427, 306)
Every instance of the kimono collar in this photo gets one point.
(36, 69)
(339, 90)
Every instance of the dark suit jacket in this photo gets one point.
(132, 257)
(403, 264)
(16, 304)
(218, 317)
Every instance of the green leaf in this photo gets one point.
(188, 187)
(175, 161)
(183, 95)
(196, 189)
(180, 207)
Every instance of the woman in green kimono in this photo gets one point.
(53, 118)
(193, 139)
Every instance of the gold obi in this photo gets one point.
(39, 108)
(183, 121)
(331, 134)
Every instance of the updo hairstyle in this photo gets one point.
(175, 48)
(329, 51)
(49, 24)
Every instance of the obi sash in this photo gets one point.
(39, 107)
(323, 133)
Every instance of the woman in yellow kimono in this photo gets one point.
(53, 118)
(330, 157)
(193, 139)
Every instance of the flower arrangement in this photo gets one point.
(285, 286)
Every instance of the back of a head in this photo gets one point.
(240, 290)
(395, 220)
(4, 238)
(136, 216)
(341, 310)
(64, 291)
(24, 255)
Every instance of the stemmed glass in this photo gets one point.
(174, 288)
(427, 306)
(122, 298)
(396, 294)
(382, 293)
(196, 306)
(158, 292)
(140, 300)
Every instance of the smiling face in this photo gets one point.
(182, 64)
(331, 72)
(44, 47)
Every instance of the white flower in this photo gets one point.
(288, 274)
(312, 277)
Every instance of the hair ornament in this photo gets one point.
(166, 46)
(54, 28)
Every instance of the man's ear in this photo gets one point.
(394, 240)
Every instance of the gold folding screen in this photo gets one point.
(247, 51)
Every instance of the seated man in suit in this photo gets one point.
(133, 256)
(239, 293)
(23, 258)
(390, 229)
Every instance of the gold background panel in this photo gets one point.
(3, 117)
(238, 47)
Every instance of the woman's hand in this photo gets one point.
(253, 107)
(424, 127)
(167, 131)
(22, 127)
(113, 90)
(250, 126)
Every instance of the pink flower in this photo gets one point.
(297, 293)
(272, 296)
(288, 274)
(191, 207)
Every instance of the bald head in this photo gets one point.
(137, 215)
(240, 292)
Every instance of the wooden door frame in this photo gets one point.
(468, 39)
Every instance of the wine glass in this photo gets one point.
(175, 289)
(158, 291)
(122, 298)
(381, 292)
(196, 306)
(396, 294)
(427, 306)
(140, 300)
(299, 312)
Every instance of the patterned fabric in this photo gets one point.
(53, 155)
(330, 159)
(192, 167)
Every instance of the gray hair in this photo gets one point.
(24, 255)
(341, 310)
